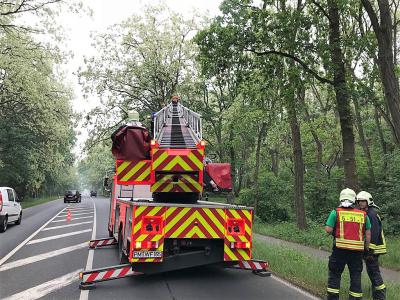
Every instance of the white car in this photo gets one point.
(10, 209)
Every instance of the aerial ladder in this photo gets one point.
(157, 219)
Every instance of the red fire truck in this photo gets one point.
(157, 218)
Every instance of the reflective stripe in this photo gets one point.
(334, 291)
(354, 294)
(380, 251)
(381, 287)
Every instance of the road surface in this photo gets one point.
(41, 258)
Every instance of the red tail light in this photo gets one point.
(146, 245)
(241, 245)
(235, 227)
(1, 201)
(152, 225)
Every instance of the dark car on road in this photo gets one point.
(93, 194)
(72, 196)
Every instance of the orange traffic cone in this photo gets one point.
(69, 217)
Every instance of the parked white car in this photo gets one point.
(10, 209)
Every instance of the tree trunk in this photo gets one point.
(342, 97)
(364, 143)
(232, 158)
(274, 161)
(383, 33)
(260, 139)
(381, 139)
(298, 160)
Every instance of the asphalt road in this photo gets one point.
(41, 258)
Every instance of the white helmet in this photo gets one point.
(133, 116)
(363, 195)
(347, 198)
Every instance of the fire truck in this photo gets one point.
(158, 220)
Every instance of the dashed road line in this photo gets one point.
(54, 237)
(66, 226)
(73, 219)
(46, 288)
(89, 264)
(43, 256)
(79, 214)
(5, 258)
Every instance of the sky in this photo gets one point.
(105, 13)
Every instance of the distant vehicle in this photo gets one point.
(10, 209)
(93, 194)
(72, 196)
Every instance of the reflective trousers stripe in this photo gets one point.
(333, 291)
(354, 294)
(381, 287)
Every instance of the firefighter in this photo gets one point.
(349, 226)
(376, 247)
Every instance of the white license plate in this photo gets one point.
(147, 254)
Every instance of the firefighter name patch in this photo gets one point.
(147, 254)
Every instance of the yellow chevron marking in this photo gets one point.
(215, 220)
(244, 254)
(176, 218)
(133, 171)
(160, 159)
(222, 214)
(137, 226)
(123, 166)
(195, 160)
(155, 151)
(168, 188)
(192, 181)
(189, 221)
(139, 210)
(196, 230)
(229, 252)
(177, 160)
(247, 214)
(230, 238)
(201, 151)
(184, 186)
(144, 174)
(158, 183)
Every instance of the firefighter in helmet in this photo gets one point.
(351, 230)
(376, 247)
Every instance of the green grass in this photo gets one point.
(316, 237)
(29, 202)
(309, 272)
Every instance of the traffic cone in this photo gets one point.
(69, 217)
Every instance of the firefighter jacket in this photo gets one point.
(378, 243)
(350, 229)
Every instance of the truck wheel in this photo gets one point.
(3, 225)
(18, 222)
(122, 257)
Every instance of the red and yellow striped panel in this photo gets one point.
(184, 183)
(130, 172)
(138, 236)
(177, 159)
(238, 254)
(203, 223)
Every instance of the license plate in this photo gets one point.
(147, 254)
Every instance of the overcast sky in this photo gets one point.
(106, 13)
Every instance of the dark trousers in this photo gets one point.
(337, 262)
(378, 287)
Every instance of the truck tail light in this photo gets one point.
(235, 227)
(152, 225)
(1, 201)
(146, 245)
(241, 245)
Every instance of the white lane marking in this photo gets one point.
(65, 226)
(288, 284)
(73, 215)
(89, 217)
(89, 264)
(5, 258)
(54, 237)
(46, 288)
(43, 256)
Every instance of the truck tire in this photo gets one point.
(122, 257)
(3, 224)
(18, 222)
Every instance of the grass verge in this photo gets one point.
(310, 273)
(29, 202)
(316, 237)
